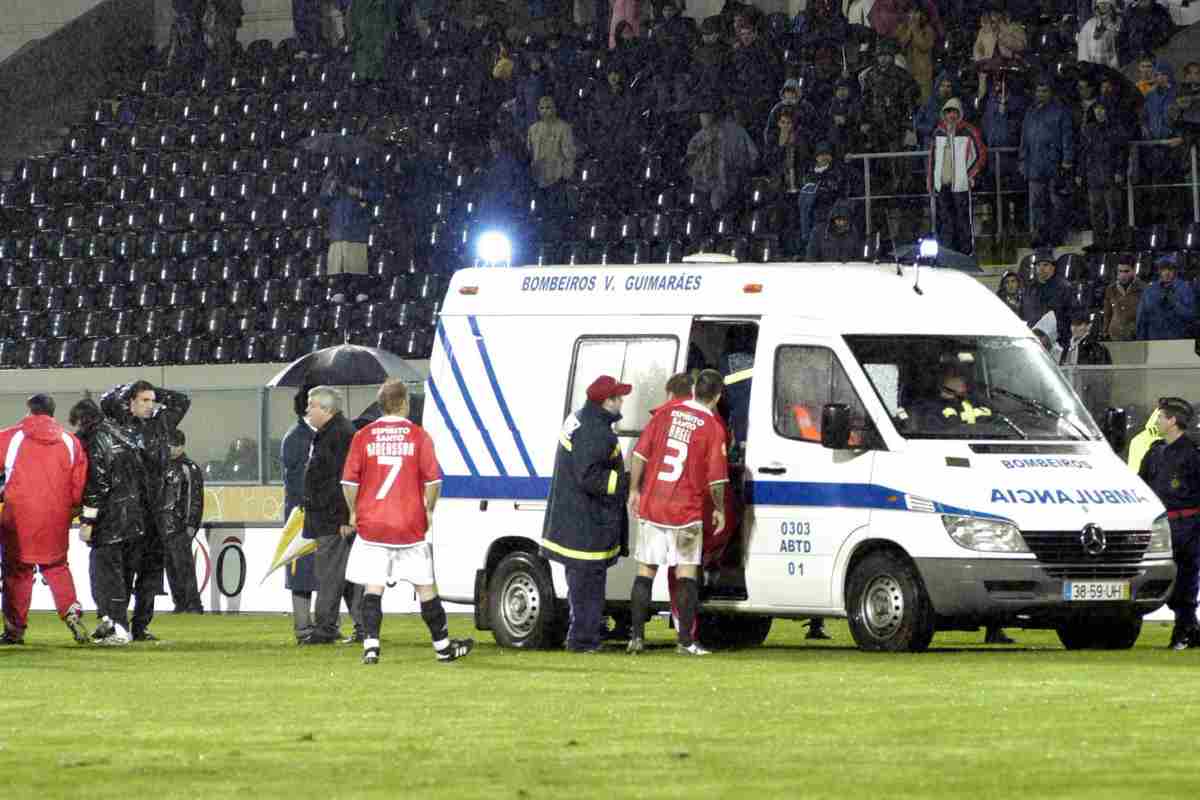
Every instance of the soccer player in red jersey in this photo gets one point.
(680, 458)
(392, 483)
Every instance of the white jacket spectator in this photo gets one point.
(1098, 36)
(551, 146)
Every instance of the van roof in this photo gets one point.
(859, 298)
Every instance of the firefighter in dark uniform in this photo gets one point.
(586, 526)
(1172, 469)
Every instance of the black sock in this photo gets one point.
(435, 619)
(639, 602)
(372, 615)
(688, 597)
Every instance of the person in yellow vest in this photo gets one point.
(1141, 443)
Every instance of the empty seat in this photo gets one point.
(158, 350)
(33, 353)
(93, 352)
(193, 350)
(88, 323)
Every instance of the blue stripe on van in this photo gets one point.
(462, 386)
(479, 487)
(772, 493)
(454, 434)
(508, 417)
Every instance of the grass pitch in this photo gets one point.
(228, 707)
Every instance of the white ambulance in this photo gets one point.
(867, 494)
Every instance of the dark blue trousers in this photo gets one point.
(585, 595)
(1186, 545)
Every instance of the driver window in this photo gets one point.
(806, 379)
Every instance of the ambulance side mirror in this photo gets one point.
(1114, 427)
(835, 426)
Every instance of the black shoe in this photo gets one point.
(371, 656)
(1182, 638)
(354, 638)
(816, 631)
(317, 638)
(456, 649)
(11, 638)
(997, 636)
(144, 636)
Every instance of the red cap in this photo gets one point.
(607, 386)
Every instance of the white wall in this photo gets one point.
(23, 21)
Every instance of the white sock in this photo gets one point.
(370, 644)
(441, 644)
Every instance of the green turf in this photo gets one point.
(228, 707)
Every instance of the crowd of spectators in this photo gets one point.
(745, 95)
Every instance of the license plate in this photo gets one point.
(1096, 590)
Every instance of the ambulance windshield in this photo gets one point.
(964, 387)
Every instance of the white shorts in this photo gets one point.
(669, 547)
(372, 564)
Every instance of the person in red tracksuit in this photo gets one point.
(45, 469)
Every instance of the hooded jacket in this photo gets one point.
(969, 154)
(349, 216)
(1104, 147)
(827, 244)
(802, 109)
(183, 498)
(1047, 140)
(1040, 299)
(1159, 102)
(114, 498)
(844, 137)
(929, 115)
(1012, 301)
(1167, 312)
(1140, 444)
(45, 470)
(586, 524)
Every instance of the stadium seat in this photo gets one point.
(89, 323)
(93, 352)
(209, 296)
(34, 353)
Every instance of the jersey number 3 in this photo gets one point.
(673, 461)
(395, 462)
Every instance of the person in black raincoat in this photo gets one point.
(182, 511)
(825, 182)
(113, 521)
(586, 525)
(148, 415)
(300, 577)
(837, 241)
(1104, 160)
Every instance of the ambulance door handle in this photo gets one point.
(527, 506)
(773, 470)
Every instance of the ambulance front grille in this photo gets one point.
(1066, 547)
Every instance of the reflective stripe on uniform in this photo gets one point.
(564, 441)
(581, 555)
(612, 482)
(739, 376)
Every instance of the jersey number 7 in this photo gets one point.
(395, 462)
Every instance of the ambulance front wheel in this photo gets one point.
(889, 609)
(524, 612)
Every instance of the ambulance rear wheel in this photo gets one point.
(889, 609)
(720, 631)
(1105, 633)
(524, 612)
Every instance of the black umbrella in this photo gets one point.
(345, 365)
(947, 258)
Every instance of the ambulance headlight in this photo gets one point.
(1160, 537)
(987, 535)
(494, 248)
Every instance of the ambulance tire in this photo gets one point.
(524, 612)
(1102, 633)
(723, 631)
(889, 609)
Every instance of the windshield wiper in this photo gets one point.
(1038, 405)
